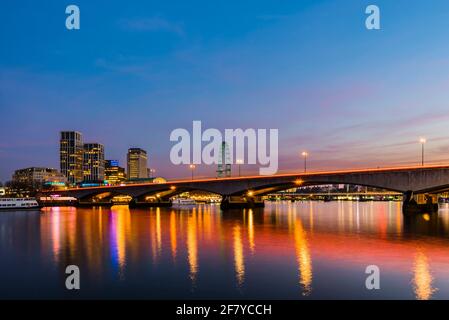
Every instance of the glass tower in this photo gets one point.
(71, 156)
(93, 164)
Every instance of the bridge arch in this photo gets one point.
(104, 194)
(169, 192)
(264, 189)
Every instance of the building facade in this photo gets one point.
(93, 163)
(36, 176)
(71, 156)
(113, 173)
(137, 160)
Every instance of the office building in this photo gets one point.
(93, 164)
(37, 176)
(137, 163)
(113, 173)
(71, 156)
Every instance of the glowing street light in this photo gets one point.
(192, 167)
(305, 155)
(239, 162)
(422, 141)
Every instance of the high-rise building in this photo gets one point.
(113, 173)
(36, 177)
(150, 172)
(71, 156)
(137, 163)
(93, 164)
(224, 161)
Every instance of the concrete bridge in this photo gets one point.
(247, 191)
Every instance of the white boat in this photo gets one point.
(18, 203)
(183, 202)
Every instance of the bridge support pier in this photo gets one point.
(241, 202)
(419, 203)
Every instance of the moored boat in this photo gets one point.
(19, 204)
(183, 202)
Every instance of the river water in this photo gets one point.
(299, 250)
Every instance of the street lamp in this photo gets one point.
(423, 142)
(239, 162)
(192, 167)
(305, 155)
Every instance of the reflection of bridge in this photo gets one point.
(247, 191)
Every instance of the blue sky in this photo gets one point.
(137, 70)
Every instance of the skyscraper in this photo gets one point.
(137, 163)
(71, 155)
(93, 164)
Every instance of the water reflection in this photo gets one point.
(422, 277)
(239, 260)
(120, 229)
(192, 247)
(158, 231)
(251, 230)
(173, 235)
(304, 258)
(272, 252)
(56, 237)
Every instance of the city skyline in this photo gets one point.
(201, 153)
(347, 95)
(85, 162)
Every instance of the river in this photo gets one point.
(287, 250)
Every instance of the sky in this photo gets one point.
(137, 70)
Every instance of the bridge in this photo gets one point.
(241, 192)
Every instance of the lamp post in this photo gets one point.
(239, 162)
(305, 155)
(423, 142)
(192, 167)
